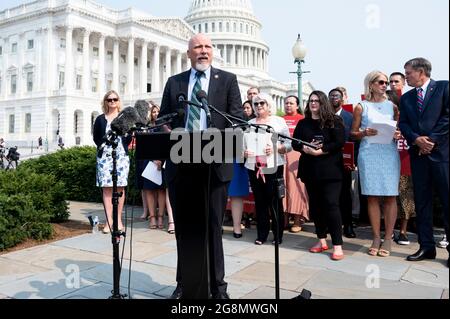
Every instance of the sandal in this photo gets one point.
(385, 249)
(375, 247)
(160, 222)
(171, 228)
(152, 222)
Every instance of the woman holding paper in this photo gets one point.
(321, 169)
(378, 160)
(111, 106)
(265, 162)
(152, 183)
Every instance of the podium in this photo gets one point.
(197, 231)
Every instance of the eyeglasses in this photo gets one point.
(259, 103)
(112, 100)
(314, 101)
(381, 82)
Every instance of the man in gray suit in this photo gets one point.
(193, 187)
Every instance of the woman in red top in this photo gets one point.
(296, 201)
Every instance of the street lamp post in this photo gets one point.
(299, 53)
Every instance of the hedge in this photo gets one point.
(76, 168)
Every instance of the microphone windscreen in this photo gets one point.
(126, 119)
(201, 95)
(143, 111)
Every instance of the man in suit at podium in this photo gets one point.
(199, 244)
(424, 123)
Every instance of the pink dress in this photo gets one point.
(296, 200)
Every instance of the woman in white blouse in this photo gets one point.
(265, 162)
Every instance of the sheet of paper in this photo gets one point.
(385, 130)
(151, 173)
(257, 142)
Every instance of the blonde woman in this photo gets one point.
(379, 164)
(111, 106)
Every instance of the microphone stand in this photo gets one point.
(279, 192)
(112, 140)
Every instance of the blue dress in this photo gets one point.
(378, 164)
(239, 186)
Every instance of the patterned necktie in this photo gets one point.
(420, 99)
(194, 112)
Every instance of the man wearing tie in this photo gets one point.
(424, 123)
(188, 183)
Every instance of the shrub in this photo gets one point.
(19, 220)
(45, 192)
(76, 168)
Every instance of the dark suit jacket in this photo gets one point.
(347, 117)
(223, 93)
(432, 122)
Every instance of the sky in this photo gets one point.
(346, 39)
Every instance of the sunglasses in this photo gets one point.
(314, 101)
(112, 100)
(259, 103)
(381, 82)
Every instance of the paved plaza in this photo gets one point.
(81, 267)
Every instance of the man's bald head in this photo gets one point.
(200, 52)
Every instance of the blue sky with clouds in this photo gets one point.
(346, 39)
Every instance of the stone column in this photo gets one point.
(241, 57)
(5, 75)
(52, 74)
(179, 68)
(143, 68)
(155, 74)
(233, 55)
(21, 75)
(168, 64)
(39, 60)
(86, 64)
(258, 58)
(115, 82)
(68, 69)
(130, 76)
(101, 65)
(225, 54)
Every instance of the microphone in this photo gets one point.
(125, 121)
(142, 109)
(170, 117)
(202, 97)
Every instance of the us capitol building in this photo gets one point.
(59, 57)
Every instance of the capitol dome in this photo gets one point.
(235, 32)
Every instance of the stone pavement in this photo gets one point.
(81, 267)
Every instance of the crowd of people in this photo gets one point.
(318, 182)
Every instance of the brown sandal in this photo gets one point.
(160, 222)
(375, 247)
(152, 222)
(385, 249)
